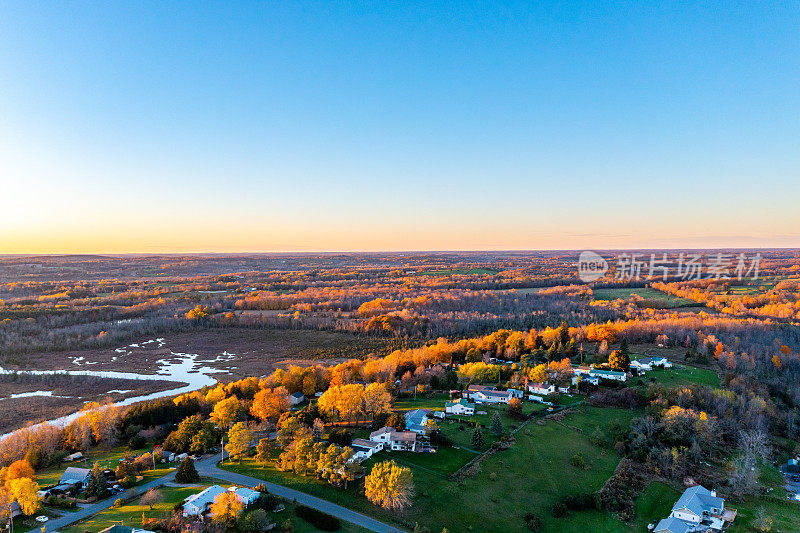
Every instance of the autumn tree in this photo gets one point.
(377, 399)
(227, 411)
(226, 507)
(270, 404)
(18, 469)
(515, 408)
(24, 491)
(619, 361)
(264, 450)
(239, 439)
(389, 485)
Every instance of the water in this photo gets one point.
(181, 367)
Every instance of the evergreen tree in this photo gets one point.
(187, 473)
(97, 488)
(477, 439)
(497, 425)
(623, 347)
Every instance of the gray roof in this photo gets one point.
(673, 525)
(73, 474)
(415, 417)
(298, 395)
(698, 500)
(205, 497)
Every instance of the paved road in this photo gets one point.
(93, 508)
(208, 467)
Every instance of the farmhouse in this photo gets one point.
(698, 509)
(642, 365)
(75, 476)
(396, 440)
(461, 407)
(415, 421)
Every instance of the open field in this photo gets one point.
(529, 477)
(680, 375)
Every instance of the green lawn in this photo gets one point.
(785, 516)
(131, 513)
(529, 477)
(435, 402)
(654, 503)
(680, 375)
(106, 458)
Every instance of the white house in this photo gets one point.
(395, 440)
(415, 421)
(297, 398)
(461, 407)
(698, 509)
(608, 374)
(642, 365)
(197, 504)
(660, 362)
(491, 395)
(541, 389)
(517, 393)
(364, 449)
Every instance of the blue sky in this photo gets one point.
(166, 126)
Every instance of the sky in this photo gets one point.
(334, 126)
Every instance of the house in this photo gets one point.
(461, 407)
(541, 389)
(415, 421)
(491, 395)
(662, 362)
(197, 504)
(297, 398)
(642, 365)
(244, 495)
(75, 476)
(674, 525)
(181, 456)
(77, 456)
(474, 389)
(517, 393)
(698, 509)
(439, 414)
(364, 449)
(582, 370)
(395, 440)
(608, 374)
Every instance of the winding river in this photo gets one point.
(180, 367)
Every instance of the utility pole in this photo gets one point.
(222, 445)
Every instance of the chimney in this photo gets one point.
(714, 493)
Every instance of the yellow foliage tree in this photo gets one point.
(226, 507)
(24, 490)
(389, 485)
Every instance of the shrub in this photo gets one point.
(578, 461)
(128, 482)
(187, 473)
(119, 502)
(559, 510)
(342, 437)
(533, 522)
(318, 519)
(582, 501)
(136, 442)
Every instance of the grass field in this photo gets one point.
(680, 375)
(529, 477)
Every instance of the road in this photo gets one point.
(208, 467)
